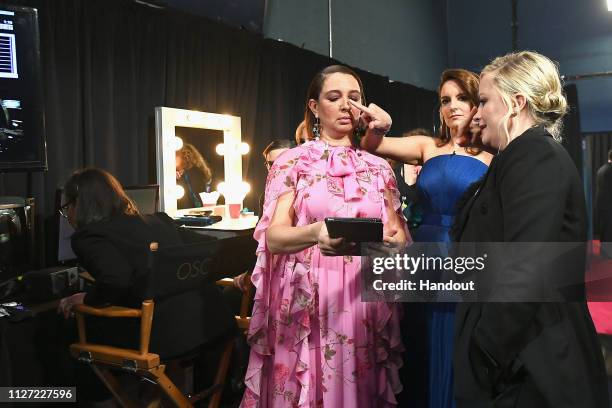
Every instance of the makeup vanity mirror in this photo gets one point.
(199, 166)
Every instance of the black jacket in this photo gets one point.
(604, 202)
(525, 353)
(114, 252)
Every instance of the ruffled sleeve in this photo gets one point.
(282, 178)
(390, 186)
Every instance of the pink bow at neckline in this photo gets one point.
(346, 164)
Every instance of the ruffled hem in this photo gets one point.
(387, 342)
(259, 328)
(388, 354)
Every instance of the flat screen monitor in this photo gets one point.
(145, 197)
(22, 129)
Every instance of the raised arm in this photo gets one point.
(409, 150)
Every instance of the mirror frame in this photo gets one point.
(166, 121)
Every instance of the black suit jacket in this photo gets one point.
(531, 193)
(604, 202)
(114, 252)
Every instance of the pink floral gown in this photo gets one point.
(313, 342)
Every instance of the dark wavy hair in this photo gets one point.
(97, 196)
(468, 82)
(193, 158)
(314, 91)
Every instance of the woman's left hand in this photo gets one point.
(374, 117)
(66, 304)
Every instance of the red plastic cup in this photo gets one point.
(234, 210)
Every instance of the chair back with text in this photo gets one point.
(180, 268)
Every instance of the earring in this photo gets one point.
(316, 128)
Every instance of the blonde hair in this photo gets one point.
(537, 78)
(301, 131)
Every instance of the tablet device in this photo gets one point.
(355, 229)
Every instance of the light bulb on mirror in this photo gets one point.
(220, 149)
(245, 188)
(179, 192)
(178, 143)
(243, 148)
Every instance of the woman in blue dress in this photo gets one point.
(449, 168)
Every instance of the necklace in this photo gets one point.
(457, 148)
(327, 144)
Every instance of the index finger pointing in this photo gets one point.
(360, 106)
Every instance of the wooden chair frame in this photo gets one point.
(141, 362)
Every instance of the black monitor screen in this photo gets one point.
(22, 133)
(146, 198)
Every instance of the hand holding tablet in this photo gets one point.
(355, 229)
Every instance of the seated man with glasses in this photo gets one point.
(109, 238)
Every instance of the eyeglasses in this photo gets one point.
(63, 210)
(269, 164)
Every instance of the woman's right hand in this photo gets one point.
(377, 123)
(333, 246)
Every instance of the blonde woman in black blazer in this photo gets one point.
(526, 354)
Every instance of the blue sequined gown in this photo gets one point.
(441, 183)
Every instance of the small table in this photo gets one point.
(229, 227)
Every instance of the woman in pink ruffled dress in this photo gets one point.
(314, 343)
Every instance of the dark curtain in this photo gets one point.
(106, 65)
